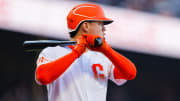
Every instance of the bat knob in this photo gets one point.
(98, 42)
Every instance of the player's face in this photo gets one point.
(97, 28)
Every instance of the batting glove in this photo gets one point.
(80, 45)
(91, 43)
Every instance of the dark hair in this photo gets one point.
(73, 33)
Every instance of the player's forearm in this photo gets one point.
(49, 72)
(126, 69)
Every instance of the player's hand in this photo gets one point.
(91, 43)
(80, 45)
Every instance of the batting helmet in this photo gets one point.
(85, 12)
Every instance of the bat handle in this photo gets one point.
(98, 42)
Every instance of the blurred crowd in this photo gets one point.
(162, 7)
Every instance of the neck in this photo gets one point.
(76, 36)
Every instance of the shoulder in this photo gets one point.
(55, 51)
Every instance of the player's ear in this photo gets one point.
(85, 27)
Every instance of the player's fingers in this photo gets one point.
(91, 39)
(80, 45)
(81, 41)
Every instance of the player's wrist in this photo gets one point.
(107, 50)
(79, 50)
(80, 46)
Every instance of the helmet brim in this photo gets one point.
(107, 22)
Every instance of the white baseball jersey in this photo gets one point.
(85, 80)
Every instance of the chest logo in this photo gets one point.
(98, 71)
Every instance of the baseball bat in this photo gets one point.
(37, 45)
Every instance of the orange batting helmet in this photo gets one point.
(85, 12)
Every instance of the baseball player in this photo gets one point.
(81, 72)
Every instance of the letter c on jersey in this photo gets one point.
(95, 68)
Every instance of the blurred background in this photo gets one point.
(145, 31)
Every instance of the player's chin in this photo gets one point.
(104, 37)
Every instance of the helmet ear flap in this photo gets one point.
(73, 33)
